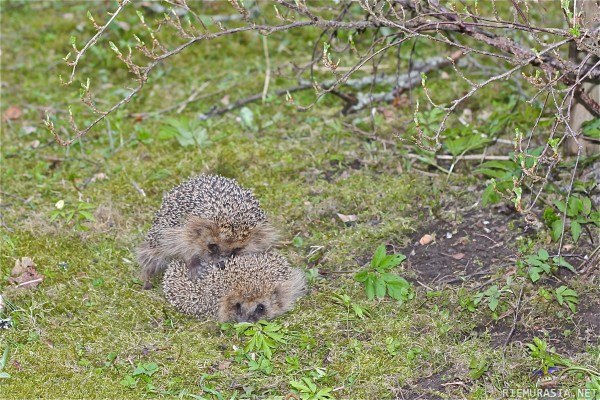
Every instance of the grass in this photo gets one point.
(90, 331)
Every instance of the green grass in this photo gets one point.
(85, 329)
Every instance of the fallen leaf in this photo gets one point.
(13, 112)
(100, 176)
(347, 219)
(24, 275)
(34, 144)
(458, 256)
(223, 365)
(21, 266)
(225, 100)
(426, 239)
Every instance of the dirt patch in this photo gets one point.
(476, 246)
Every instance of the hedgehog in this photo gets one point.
(245, 288)
(206, 219)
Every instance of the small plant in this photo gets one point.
(579, 212)
(477, 367)
(357, 310)
(547, 358)
(3, 361)
(265, 336)
(541, 263)
(491, 296)
(308, 390)
(392, 345)
(378, 281)
(143, 372)
(187, 132)
(260, 363)
(567, 296)
(82, 212)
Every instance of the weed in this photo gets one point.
(567, 296)
(547, 358)
(143, 372)
(357, 310)
(78, 214)
(378, 281)
(265, 336)
(541, 263)
(308, 390)
(3, 361)
(579, 212)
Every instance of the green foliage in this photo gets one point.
(188, 132)
(308, 390)
(491, 296)
(567, 296)
(591, 128)
(264, 336)
(3, 361)
(546, 357)
(478, 367)
(142, 373)
(578, 211)
(378, 281)
(78, 214)
(541, 263)
(357, 310)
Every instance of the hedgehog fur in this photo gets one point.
(246, 288)
(206, 219)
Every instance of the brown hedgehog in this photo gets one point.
(204, 220)
(246, 288)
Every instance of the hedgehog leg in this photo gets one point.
(152, 261)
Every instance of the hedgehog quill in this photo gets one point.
(245, 289)
(206, 219)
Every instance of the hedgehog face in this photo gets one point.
(213, 243)
(249, 307)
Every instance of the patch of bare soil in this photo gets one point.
(476, 246)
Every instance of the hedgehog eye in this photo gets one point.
(213, 248)
(260, 309)
(236, 251)
(238, 308)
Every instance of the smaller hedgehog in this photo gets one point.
(206, 219)
(246, 288)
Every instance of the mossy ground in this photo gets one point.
(87, 326)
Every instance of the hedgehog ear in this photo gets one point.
(262, 237)
(201, 227)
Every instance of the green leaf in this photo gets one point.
(543, 254)
(561, 262)
(392, 261)
(370, 287)
(534, 275)
(4, 375)
(575, 230)
(378, 256)
(380, 288)
(493, 303)
(586, 206)
(557, 228)
(560, 205)
(361, 276)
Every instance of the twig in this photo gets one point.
(138, 188)
(267, 67)
(515, 316)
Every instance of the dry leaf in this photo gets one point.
(34, 144)
(24, 274)
(13, 112)
(347, 219)
(426, 239)
(458, 256)
(223, 365)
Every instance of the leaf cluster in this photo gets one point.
(378, 280)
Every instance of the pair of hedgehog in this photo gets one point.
(213, 242)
